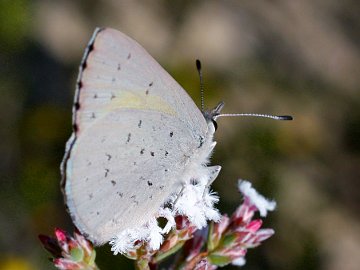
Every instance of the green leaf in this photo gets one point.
(228, 240)
(161, 256)
(91, 260)
(211, 243)
(77, 254)
(219, 260)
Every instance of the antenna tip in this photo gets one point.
(198, 64)
(285, 117)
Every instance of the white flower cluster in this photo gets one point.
(196, 202)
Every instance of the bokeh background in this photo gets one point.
(282, 57)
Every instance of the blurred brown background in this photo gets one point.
(282, 57)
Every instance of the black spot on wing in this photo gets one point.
(135, 201)
(152, 154)
(90, 47)
(84, 65)
(194, 181)
(106, 172)
(113, 182)
(142, 151)
(147, 90)
(201, 140)
(140, 123)
(149, 183)
(171, 134)
(128, 138)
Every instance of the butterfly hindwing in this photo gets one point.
(123, 168)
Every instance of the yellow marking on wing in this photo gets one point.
(131, 100)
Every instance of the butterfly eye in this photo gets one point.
(215, 124)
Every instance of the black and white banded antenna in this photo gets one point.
(215, 113)
(198, 67)
(275, 117)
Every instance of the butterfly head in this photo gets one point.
(212, 114)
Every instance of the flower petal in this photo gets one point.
(260, 202)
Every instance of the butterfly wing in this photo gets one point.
(118, 72)
(124, 168)
(134, 131)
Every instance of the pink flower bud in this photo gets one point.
(60, 234)
(71, 253)
(66, 264)
(204, 265)
(254, 225)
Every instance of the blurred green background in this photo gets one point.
(282, 57)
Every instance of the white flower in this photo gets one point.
(150, 232)
(239, 261)
(197, 204)
(154, 237)
(259, 201)
(123, 242)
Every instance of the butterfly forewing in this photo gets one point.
(118, 72)
(134, 131)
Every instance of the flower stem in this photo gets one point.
(142, 264)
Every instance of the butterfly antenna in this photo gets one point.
(198, 67)
(275, 117)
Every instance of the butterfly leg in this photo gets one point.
(179, 195)
(213, 172)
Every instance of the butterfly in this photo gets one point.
(137, 138)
